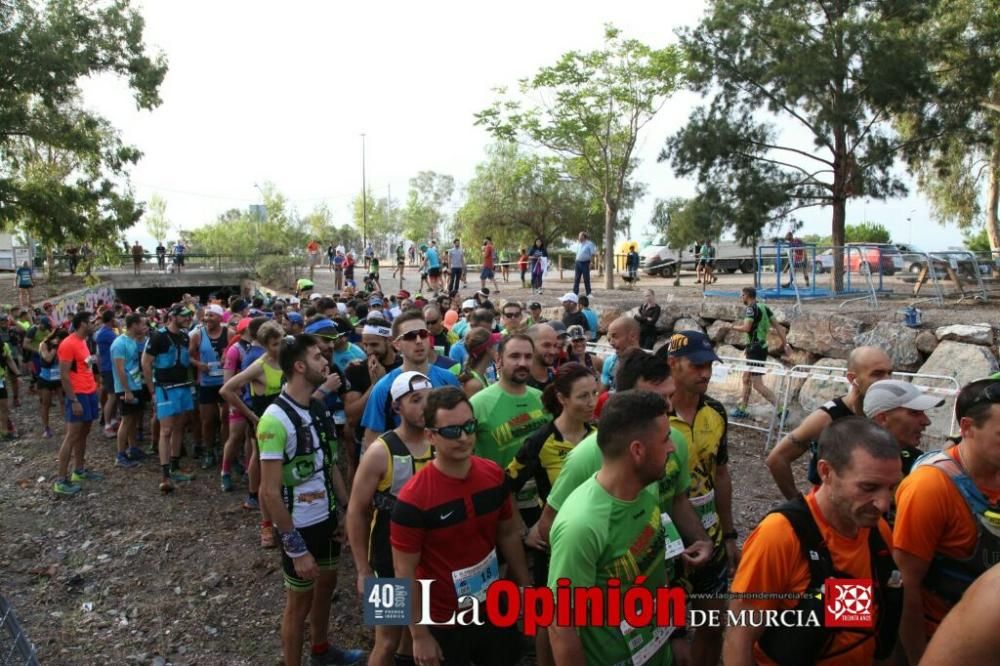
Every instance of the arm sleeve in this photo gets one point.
(271, 438)
(64, 353)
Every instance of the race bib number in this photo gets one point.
(704, 506)
(645, 642)
(473, 581)
(674, 545)
(214, 369)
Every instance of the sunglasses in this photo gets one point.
(455, 431)
(512, 315)
(432, 323)
(411, 336)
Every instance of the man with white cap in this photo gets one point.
(572, 316)
(207, 347)
(460, 328)
(386, 466)
(900, 407)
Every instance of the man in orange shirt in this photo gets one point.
(947, 530)
(837, 531)
(80, 388)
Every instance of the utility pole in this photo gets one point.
(364, 199)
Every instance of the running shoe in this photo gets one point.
(740, 413)
(110, 432)
(47, 433)
(335, 656)
(227, 482)
(122, 460)
(251, 503)
(239, 468)
(85, 475)
(166, 486)
(208, 461)
(65, 488)
(180, 477)
(136, 454)
(267, 539)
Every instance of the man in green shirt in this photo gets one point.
(610, 528)
(756, 324)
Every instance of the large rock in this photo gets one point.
(774, 346)
(716, 310)
(721, 332)
(896, 340)
(669, 313)
(927, 342)
(977, 334)
(824, 334)
(965, 363)
(823, 386)
(607, 315)
(687, 324)
(728, 351)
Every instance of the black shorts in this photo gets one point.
(209, 395)
(756, 352)
(484, 645)
(47, 384)
(322, 545)
(108, 381)
(712, 578)
(434, 272)
(134, 408)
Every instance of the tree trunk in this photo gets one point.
(610, 214)
(839, 217)
(993, 198)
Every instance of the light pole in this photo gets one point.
(364, 199)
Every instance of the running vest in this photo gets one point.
(207, 353)
(170, 366)
(402, 466)
(299, 468)
(836, 409)
(948, 577)
(808, 645)
(49, 370)
(761, 316)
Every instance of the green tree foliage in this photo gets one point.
(867, 232)
(63, 169)
(516, 197)
(385, 220)
(834, 71)
(155, 217)
(953, 137)
(977, 241)
(424, 215)
(685, 222)
(588, 109)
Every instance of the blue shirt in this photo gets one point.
(459, 352)
(127, 349)
(586, 251)
(608, 370)
(591, 323)
(352, 353)
(23, 277)
(374, 417)
(433, 260)
(104, 338)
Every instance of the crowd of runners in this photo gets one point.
(467, 440)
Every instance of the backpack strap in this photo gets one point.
(814, 550)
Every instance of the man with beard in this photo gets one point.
(610, 529)
(546, 343)
(376, 340)
(623, 335)
(837, 531)
(302, 487)
(207, 348)
(901, 408)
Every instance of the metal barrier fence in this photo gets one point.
(15, 648)
(727, 388)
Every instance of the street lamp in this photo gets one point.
(364, 198)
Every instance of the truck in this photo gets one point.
(658, 259)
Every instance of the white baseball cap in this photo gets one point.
(569, 297)
(890, 394)
(408, 382)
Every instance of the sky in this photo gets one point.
(263, 92)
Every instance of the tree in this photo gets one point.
(424, 215)
(835, 70)
(978, 241)
(953, 138)
(516, 197)
(867, 232)
(385, 219)
(63, 169)
(157, 224)
(687, 221)
(588, 110)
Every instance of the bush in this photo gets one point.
(278, 272)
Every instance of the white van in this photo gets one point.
(730, 256)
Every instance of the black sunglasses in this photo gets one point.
(512, 315)
(411, 336)
(455, 431)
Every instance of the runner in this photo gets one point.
(441, 337)
(302, 488)
(165, 366)
(522, 265)
(945, 534)
(487, 273)
(837, 531)
(433, 267)
(865, 366)
(412, 340)
(456, 266)
(757, 324)
(901, 408)
(611, 529)
(512, 318)
(458, 552)
(480, 370)
(80, 391)
(246, 329)
(9, 371)
(703, 422)
(24, 282)
(104, 337)
(387, 465)
(577, 352)
(207, 350)
(546, 344)
(126, 359)
(400, 263)
(48, 375)
(623, 335)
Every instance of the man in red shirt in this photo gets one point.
(80, 388)
(489, 256)
(447, 525)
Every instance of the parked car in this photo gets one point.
(914, 260)
(874, 255)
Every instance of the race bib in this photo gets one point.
(527, 497)
(674, 545)
(473, 581)
(704, 506)
(214, 369)
(645, 642)
(55, 374)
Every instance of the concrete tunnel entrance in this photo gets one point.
(162, 297)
